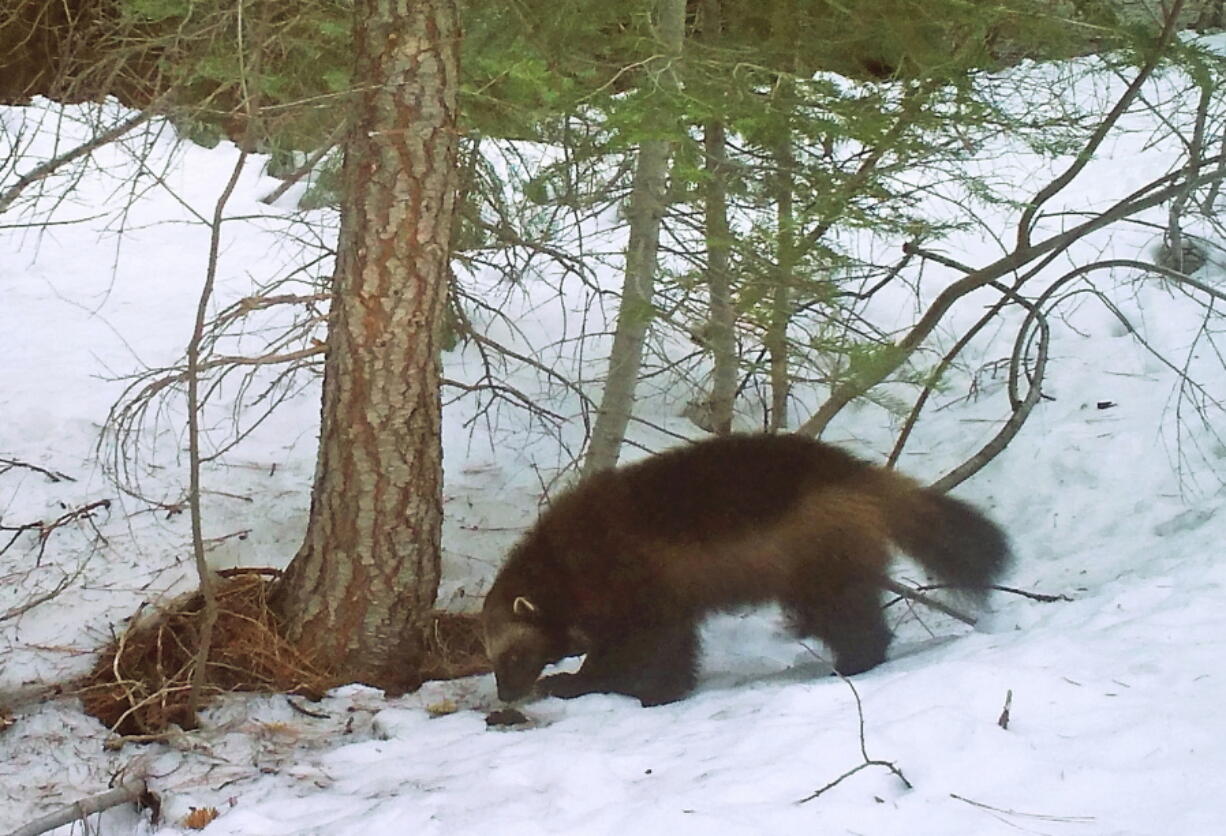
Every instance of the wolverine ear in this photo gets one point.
(524, 608)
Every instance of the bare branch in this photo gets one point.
(1148, 196)
(308, 166)
(912, 594)
(1001, 440)
(207, 587)
(66, 581)
(1012, 590)
(54, 475)
(45, 529)
(1026, 224)
(46, 169)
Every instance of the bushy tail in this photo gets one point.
(951, 539)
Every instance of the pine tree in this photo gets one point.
(367, 573)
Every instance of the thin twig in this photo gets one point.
(1041, 816)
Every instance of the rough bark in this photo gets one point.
(367, 573)
(645, 211)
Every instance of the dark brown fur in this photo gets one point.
(626, 565)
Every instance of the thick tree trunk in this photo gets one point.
(781, 294)
(646, 209)
(721, 334)
(368, 570)
(635, 312)
(721, 337)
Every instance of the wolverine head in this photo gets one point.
(518, 642)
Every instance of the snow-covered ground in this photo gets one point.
(1116, 724)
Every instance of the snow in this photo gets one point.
(1115, 723)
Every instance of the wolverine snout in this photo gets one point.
(509, 695)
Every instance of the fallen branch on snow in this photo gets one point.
(130, 790)
(911, 594)
(863, 746)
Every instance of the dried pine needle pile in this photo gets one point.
(142, 679)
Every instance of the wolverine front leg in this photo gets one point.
(569, 685)
(655, 663)
(589, 679)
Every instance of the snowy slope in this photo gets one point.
(1115, 727)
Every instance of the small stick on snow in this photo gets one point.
(1003, 721)
(1033, 596)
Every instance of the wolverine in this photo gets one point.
(624, 566)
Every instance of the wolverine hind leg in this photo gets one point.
(839, 602)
